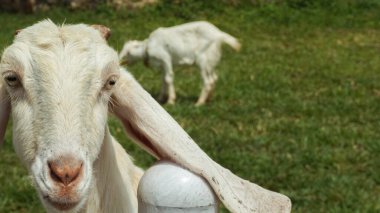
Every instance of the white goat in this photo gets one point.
(187, 44)
(59, 82)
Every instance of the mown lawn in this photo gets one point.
(297, 110)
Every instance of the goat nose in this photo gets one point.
(65, 169)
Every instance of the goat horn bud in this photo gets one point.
(104, 31)
(17, 32)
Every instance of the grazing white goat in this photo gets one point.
(187, 44)
(59, 82)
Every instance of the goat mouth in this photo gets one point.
(63, 206)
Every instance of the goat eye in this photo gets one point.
(12, 79)
(110, 83)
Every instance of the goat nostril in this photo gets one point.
(65, 171)
(53, 174)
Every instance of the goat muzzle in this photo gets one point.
(66, 170)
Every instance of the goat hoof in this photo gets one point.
(162, 100)
(199, 104)
(171, 102)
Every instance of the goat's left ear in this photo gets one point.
(127, 95)
(148, 124)
(104, 31)
(5, 108)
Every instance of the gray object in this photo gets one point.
(169, 188)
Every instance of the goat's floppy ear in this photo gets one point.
(5, 108)
(154, 129)
(104, 31)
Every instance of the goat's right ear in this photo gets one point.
(5, 109)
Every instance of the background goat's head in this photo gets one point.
(58, 82)
(132, 52)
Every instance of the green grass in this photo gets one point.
(296, 111)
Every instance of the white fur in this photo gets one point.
(61, 108)
(187, 44)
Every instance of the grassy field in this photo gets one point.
(297, 110)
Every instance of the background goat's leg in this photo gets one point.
(207, 85)
(163, 97)
(169, 79)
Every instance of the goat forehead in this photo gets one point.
(47, 34)
(66, 63)
(62, 53)
(60, 58)
(67, 48)
(63, 72)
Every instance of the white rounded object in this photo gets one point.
(167, 187)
